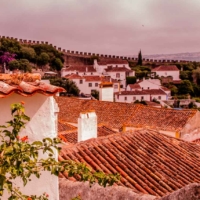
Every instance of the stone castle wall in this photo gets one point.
(83, 58)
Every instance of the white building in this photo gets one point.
(149, 84)
(145, 84)
(88, 70)
(87, 84)
(119, 73)
(103, 64)
(167, 70)
(140, 95)
(41, 107)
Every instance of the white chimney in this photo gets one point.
(87, 126)
(106, 92)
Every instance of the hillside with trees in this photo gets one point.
(25, 57)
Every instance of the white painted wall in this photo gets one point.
(146, 84)
(174, 74)
(87, 126)
(162, 97)
(43, 113)
(84, 86)
(131, 98)
(67, 72)
(106, 94)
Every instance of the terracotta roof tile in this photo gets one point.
(148, 162)
(155, 92)
(165, 68)
(71, 136)
(134, 86)
(111, 61)
(73, 76)
(64, 126)
(81, 68)
(135, 92)
(118, 69)
(17, 84)
(115, 114)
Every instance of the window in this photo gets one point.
(117, 75)
(142, 98)
(125, 98)
(96, 84)
(90, 84)
(91, 73)
(148, 88)
(134, 98)
(116, 65)
(159, 97)
(116, 86)
(81, 81)
(76, 72)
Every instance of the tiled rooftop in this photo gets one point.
(81, 68)
(142, 92)
(155, 92)
(135, 86)
(148, 162)
(111, 61)
(64, 126)
(134, 92)
(115, 115)
(72, 135)
(118, 69)
(73, 76)
(165, 68)
(25, 85)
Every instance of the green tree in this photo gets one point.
(43, 59)
(56, 64)
(185, 87)
(27, 53)
(131, 80)
(196, 75)
(25, 65)
(9, 45)
(69, 85)
(139, 58)
(13, 65)
(20, 159)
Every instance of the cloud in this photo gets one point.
(113, 27)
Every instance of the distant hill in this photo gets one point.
(194, 56)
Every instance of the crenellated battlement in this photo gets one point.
(89, 54)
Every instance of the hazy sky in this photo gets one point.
(120, 27)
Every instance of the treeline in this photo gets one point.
(189, 74)
(14, 55)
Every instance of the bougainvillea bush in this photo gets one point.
(19, 158)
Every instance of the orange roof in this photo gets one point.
(134, 86)
(115, 114)
(73, 76)
(71, 136)
(148, 162)
(25, 85)
(118, 69)
(165, 68)
(110, 61)
(81, 68)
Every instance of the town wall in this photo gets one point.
(77, 58)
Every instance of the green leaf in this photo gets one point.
(37, 143)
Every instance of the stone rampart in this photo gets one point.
(86, 55)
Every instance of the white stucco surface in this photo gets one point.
(106, 94)
(43, 113)
(87, 126)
